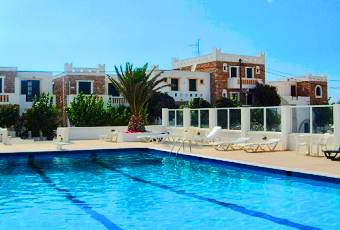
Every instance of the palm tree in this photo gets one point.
(137, 85)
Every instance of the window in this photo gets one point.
(225, 67)
(233, 71)
(192, 85)
(249, 72)
(84, 87)
(258, 70)
(318, 91)
(202, 81)
(174, 84)
(112, 91)
(1, 84)
(235, 96)
(30, 88)
(293, 90)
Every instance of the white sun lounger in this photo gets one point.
(210, 138)
(153, 137)
(230, 144)
(267, 145)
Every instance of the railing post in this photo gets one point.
(336, 120)
(165, 117)
(286, 125)
(245, 121)
(212, 117)
(186, 118)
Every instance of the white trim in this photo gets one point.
(237, 71)
(235, 93)
(91, 81)
(318, 96)
(2, 79)
(252, 72)
(225, 67)
(258, 69)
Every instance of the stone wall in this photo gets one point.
(307, 89)
(9, 81)
(219, 78)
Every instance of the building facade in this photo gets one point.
(76, 80)
(20, 87)
(227, 71)
(187, 85)
(304, 90)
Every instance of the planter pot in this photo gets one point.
(130, 137)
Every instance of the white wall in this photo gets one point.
(93, 133)
(183, 94)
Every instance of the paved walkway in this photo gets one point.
(288, 160)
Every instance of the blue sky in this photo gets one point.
(298, 36)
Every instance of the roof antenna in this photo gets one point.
(197, 45)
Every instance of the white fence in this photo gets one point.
(281, 121)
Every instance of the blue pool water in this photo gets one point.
(147, 190)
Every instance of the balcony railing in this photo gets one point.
(290, 100)
(9, 98)
(116, 101)
(247, 83)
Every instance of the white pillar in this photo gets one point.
(186, 118)
(336, 120)
(286, 125)
(245, 121)
(212, 117)
(165, 117)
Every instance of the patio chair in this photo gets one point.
(228, 145)
(154, 137)
(210, 138)
(332, 154)
(321, 143)
(110, 137)
(264, 146)
(303, 141)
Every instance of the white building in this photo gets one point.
(20, 87)
(187, 85)
(303, 90)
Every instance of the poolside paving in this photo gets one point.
(288, 160)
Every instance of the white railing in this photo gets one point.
(116, 101)
(246, 82)
(278, 120)
(9, 98)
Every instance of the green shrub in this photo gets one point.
(89, 110)
(224, 102)
(9, 116)
(198, 102)
(42, 118)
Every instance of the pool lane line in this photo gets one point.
(68, 195)
(231, 206)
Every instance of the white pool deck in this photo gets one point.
(287, 160)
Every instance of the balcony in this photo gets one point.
(247, 83)
(9, 98)
(116, 101)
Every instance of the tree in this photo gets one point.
(137, 85)
(158, 101)
(266, 95)
(9, 115)
(86, 111)
(198, 102)
(42, 118)
(223, 102)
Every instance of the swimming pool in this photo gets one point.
(147, 189)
